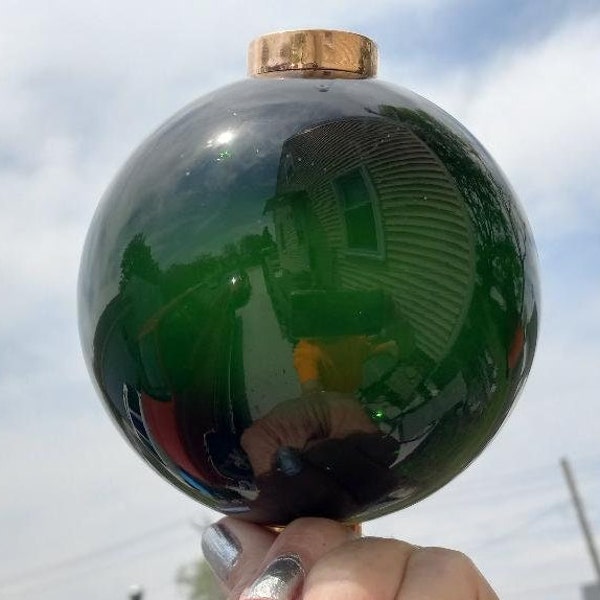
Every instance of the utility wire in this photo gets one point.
(530, 484)
(66, 578)
(522, 526)
(91, 555)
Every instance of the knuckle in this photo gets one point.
(447, 562)
(317, 530)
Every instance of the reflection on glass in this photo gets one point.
(326, 308)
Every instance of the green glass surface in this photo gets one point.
(309, 297)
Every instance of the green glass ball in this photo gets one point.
(309, 297)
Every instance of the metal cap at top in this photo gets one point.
(313, 53)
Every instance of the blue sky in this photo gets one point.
(81, 84)
(472, 31)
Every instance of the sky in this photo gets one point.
(81, 84)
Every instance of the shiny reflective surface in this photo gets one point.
(309, 297)
(322, 53)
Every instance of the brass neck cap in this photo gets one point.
(313, 53)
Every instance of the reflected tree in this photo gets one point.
(137, 261)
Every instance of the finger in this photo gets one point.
(366, 569)
(297, 548)
(234, 548)
(445, 574)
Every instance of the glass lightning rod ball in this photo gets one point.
(309, 292)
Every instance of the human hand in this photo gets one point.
(302, 422)
(318, 559)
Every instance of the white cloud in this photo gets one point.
(535, 108)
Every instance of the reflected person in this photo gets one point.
(330, 371)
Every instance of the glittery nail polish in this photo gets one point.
(221, 550)
(281, 580)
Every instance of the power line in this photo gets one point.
(519, 530)
(48, 571)
(78, 559)
(532, 479)
(63, 579)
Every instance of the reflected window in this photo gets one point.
(288, 168)
(356, 196)
(281, 235)
(299, 215)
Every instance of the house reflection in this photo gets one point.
(365, 211)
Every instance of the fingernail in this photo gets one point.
(221, 550)
(289, 461)
(281, 580)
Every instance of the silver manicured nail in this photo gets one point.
(281, 580)
(221, 550)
